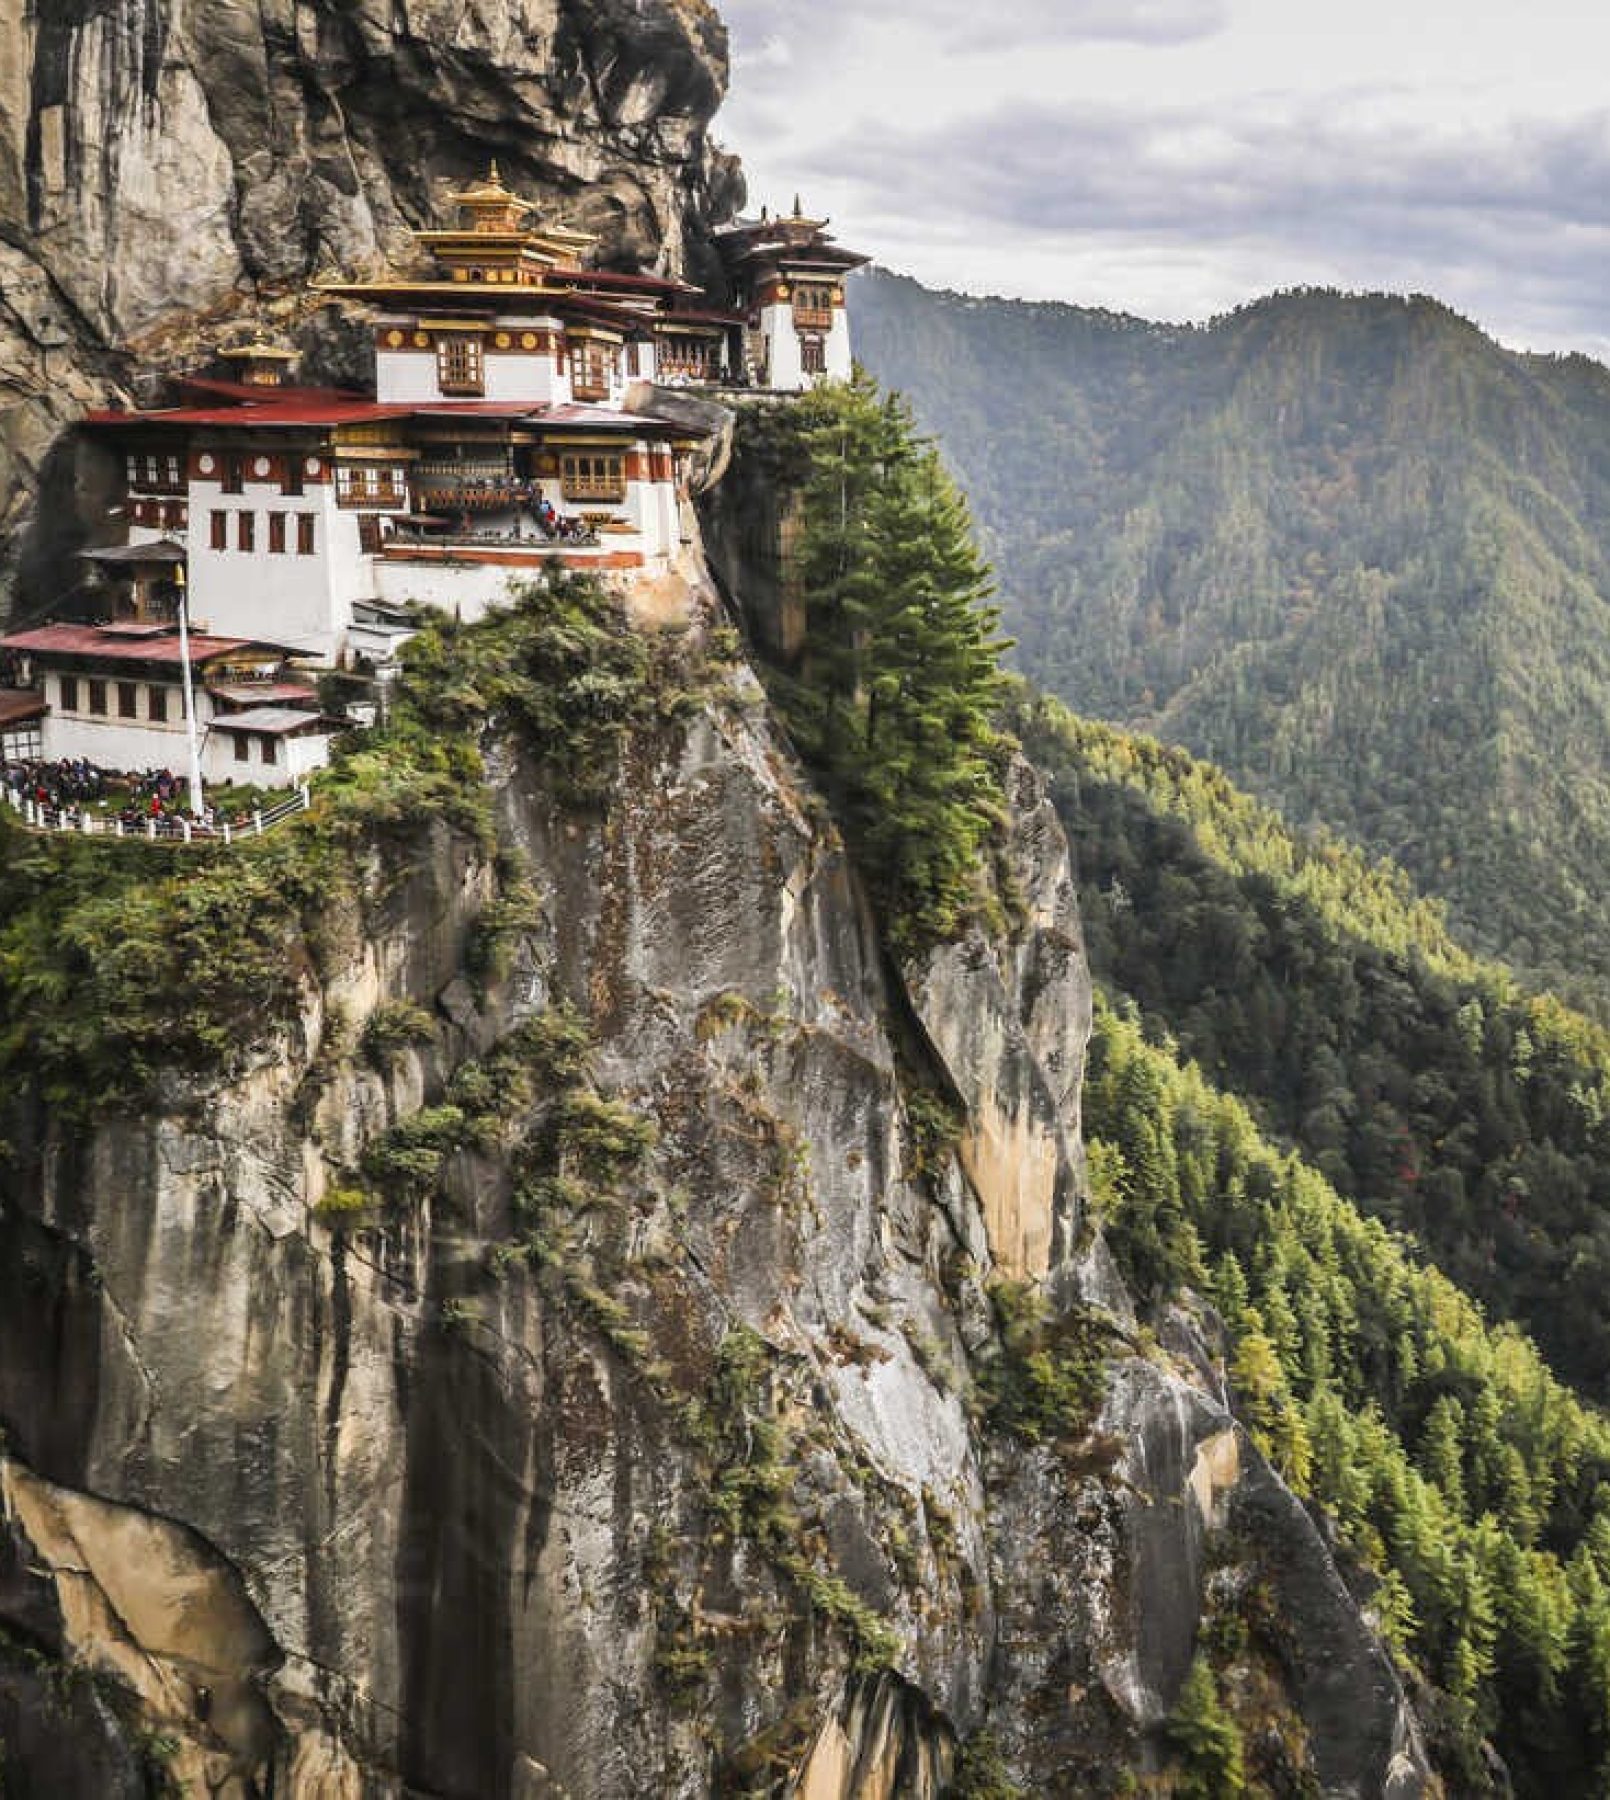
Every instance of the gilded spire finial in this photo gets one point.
(799, 211)
(493, 178)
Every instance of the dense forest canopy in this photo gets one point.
(1428, 1086)
(1346, 546)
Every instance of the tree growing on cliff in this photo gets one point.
(893, 694)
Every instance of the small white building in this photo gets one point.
(113, 695)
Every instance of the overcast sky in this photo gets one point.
(1176, 157)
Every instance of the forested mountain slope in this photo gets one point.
(1346, 546)
(1426, 1085)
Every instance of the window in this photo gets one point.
(156, 705)
(813, 305)
(812, 356)
(276, 534)
(128, 700)
(593, 475)
(234, 474)
(458, 365)
(97, 697)
(245, 531)
(592, 366)
(270, 749)
(292, 483)
(243, 746)
(69, 693)
(369, 533)
(220, 531)
(368, 484)
(172, 466)
(304, 534)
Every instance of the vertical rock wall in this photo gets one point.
(374, 1502)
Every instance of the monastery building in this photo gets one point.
(512, 421)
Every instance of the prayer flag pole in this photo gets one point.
(196, 797)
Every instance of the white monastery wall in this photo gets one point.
(840, 363)
(467, 591)
(115, 743)
(304, 600)
(783, 367)
(405, 376)
(523, 376)
(351, 575)
(294, 759)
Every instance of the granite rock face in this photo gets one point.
(682, 1486)
(167, 165)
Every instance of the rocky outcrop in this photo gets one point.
(1009, 1023)
(166, 165)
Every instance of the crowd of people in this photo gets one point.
(55, 785)
(69, 791)
(554, 524)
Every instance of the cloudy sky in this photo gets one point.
(1176, 157)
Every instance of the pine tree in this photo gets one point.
(893, 696)
(1206, 1741)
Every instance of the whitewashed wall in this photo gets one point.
(303, 601)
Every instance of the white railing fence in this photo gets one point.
(41, 816)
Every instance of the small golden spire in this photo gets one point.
(799, 211)
(493, 178)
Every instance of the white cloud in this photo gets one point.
(1179, 156)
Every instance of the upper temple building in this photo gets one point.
(513, 419)
(787, 282)
(508, 308)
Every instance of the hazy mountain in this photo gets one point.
(1347, 546)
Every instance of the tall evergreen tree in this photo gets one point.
(894, 692)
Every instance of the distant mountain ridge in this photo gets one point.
(1346, 546)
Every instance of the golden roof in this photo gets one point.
(259, 350)
(490, 192)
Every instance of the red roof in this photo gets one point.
(284, 413)
(473, 409)
(254, 391)
(615, 278)
(687, 315)
(278, 412)
(18, 705)
(262, 693)
(110, 645)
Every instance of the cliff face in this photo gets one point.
(635, 1434)
(165, 164)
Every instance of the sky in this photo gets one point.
(1175, 158)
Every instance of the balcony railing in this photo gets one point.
(479, 497)
(570, 534)
(390, 495)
